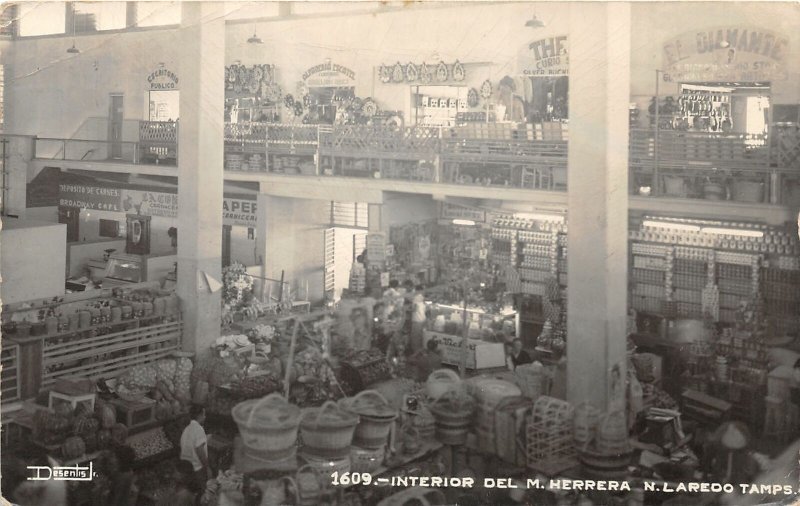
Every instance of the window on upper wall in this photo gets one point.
(301, 8)
(41, 18)
(96, 16)
(350, 214)
(158, 13)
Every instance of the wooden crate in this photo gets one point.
(549, 435)
(510, 417)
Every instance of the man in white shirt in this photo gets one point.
(194, 446)
(417, 319)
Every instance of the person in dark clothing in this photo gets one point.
(122, 487)
(518, 355)
(427, 360)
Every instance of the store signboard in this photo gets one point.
(457, 212)
(726, 54)
(240, 212)
(548, 57)
(328, 75)
(376, 248)
(148, 203)
(162, 79)
(480, 354)
(89, 197)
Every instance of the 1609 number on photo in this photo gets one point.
(347, 479)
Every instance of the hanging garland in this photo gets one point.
(411, 73)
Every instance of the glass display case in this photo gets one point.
(124, 269)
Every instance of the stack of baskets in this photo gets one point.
(326, 434)
(511, 414)
(608, 458)
(489, 392)
(376, 418)
(453, 411)
(532, 380)
(550, 440)
(586, 420)
(424, 422)
(269, 431)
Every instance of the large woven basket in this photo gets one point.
(376, 418)
(327, 431)
(453, 412)
(268, 426)
(532, 380)
(586, 420)
(612, 434)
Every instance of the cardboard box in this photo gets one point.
(481, 354)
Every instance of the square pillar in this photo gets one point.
(200, 176)
(598, 203)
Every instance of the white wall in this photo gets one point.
(398, 209)
(51, 93)
(32, 260)
(296, 242)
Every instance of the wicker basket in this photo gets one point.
(441, 381)
(612, 434)
(376, 418)
(366, 460)
(532, 380)
(453, 412)
(327, 431)
(551, 446)
(586, 419)
(310, 484)
(268, 426)
(326, 466)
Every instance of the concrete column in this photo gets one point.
(200, 176)
(599, 93)
(18, 155)
(375, 222)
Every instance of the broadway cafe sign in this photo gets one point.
(235, 211)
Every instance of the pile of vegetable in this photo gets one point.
(79, 431)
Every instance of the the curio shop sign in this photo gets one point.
(545, 57)
(726, 54)
(162, 79)
(328, 74)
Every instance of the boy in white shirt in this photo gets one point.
(194, 446)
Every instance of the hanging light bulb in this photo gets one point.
(535, 22)
(255, 39)
(73, 49)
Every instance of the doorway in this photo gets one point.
(115, 121)
(70, 216)
(226, 245)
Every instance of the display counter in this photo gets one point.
(94, 335)
(487, 334)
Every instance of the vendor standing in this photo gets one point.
(417, 319)
(194, 447)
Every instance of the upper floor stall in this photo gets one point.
(713, 111)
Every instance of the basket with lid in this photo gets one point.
(268, 425)
(453, 412)
(327, 431)
(441, 381)
(376, 418)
